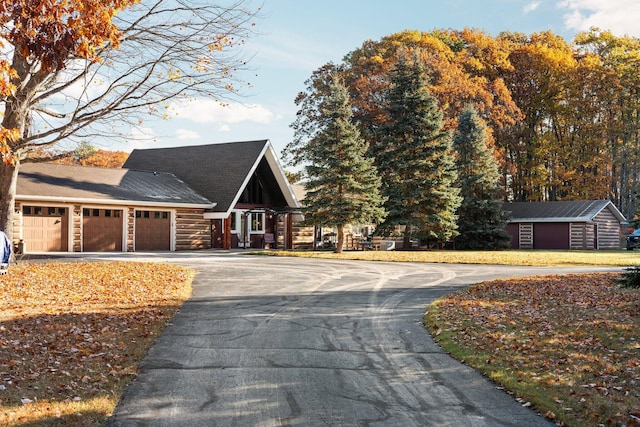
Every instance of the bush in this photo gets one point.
(631, 278)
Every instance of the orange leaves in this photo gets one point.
(74, 332)
(53, 30)
(570, 341)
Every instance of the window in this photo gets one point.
(26, 210)
(257, 222)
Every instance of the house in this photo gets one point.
(79, 208)
(255, 204)
(209, 196)
(591, 224)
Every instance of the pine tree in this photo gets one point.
(481, 219)
(343, 186)
(414, 156)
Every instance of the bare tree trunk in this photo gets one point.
(8, 179)
(340, 242)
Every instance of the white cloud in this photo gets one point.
(141, 137)
(184, 134)
(209, 111)
(618, 16)
(531, 6)
(224, 128)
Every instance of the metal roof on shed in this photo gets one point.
(564, 211)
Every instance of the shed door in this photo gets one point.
(153, 231)
(45, 229)
(101, 230)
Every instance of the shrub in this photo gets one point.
(631, 278)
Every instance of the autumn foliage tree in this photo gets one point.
(74, 70)
(562, 118)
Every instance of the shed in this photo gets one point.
(585, 224)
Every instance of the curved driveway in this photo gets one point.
(270, 341)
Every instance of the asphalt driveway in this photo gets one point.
(267, 341)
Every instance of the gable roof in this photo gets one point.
(220, 172)
(566, 211)
(85, 184)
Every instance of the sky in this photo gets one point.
(298, 36)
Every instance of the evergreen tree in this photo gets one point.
(343, 186)
(414, 156)
(481, 219)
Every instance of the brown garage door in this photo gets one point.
(45, 229)
(153, 231)
(101, 230)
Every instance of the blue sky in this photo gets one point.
(298, 36)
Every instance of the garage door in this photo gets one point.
(101, 230)
(45, 229)
(153, 231)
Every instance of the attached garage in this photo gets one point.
(78, 208)
(152, 230)
(45, 228)
(102, 230)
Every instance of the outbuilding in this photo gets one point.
(590, 224)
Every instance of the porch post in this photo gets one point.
(290, 231)
(226, 237)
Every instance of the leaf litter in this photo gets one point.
(72, 334)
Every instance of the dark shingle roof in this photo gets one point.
(93, 183)
(576, 211)
(217, 171)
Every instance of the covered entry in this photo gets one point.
(153, 231)
(102, 230)
(45, 228)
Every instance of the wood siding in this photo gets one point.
(192, 230)
(525, 236)
(582, 235)
(608, 230)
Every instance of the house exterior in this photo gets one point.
(62, 208)
(255, 204)
(211, 196)
(591, 224)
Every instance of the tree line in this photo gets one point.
(561, 118)
(414, 179)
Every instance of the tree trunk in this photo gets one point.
(340, 242)
(406, 243)
(8, 179)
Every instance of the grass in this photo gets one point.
(569, 346)
(508, 257)
(72, 334)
